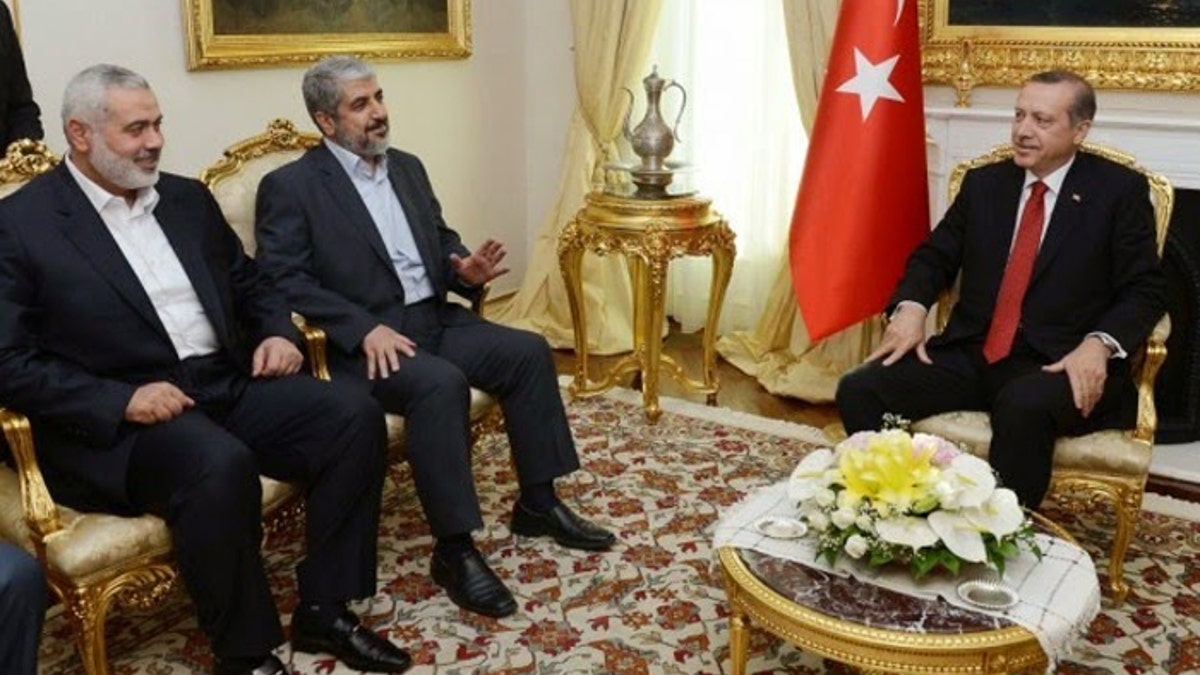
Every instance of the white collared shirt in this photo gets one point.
(381, 201)
(1053, 181)
(141, 239)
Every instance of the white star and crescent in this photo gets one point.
(872, 81)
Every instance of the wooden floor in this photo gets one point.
(738, 391)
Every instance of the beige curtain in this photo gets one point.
(612, 42)
(778, 351)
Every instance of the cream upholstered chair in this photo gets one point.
(92, 560)
(234, 181)
(1106, 466)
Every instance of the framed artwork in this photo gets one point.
(256, 33)
(1116, 44)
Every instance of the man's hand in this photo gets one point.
(1086, 367)
(156, 402)
(275, 357)
(383, 347)
(904, 332)
(481, 266)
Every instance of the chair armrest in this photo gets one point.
(1156, 353)
(41, 513)
(314, 345)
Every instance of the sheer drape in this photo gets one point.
(743, 134)
(778, 351)
(612, 40)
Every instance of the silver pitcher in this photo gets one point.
(652, 139)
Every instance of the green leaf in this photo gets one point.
(881, 557)
(951, 562)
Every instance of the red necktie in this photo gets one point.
(1016, 277)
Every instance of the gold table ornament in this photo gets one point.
(649, 233)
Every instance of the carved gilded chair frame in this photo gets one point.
(967, 56)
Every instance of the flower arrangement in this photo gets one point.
(916, 499)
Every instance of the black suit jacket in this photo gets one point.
(1096, 270)
(78, 333)
(19, 115)
(318, 243)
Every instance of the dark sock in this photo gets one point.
(539, 497)
(453, 544)
(323, 613)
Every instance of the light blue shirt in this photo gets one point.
(381, 201)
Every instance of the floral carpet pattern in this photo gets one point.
(655, 603)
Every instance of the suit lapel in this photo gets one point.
(348, 200)
(402, 185)
(1007, 196)
(184, 237)
(82, 225)
(1065, 218)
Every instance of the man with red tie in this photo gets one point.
(1060, 281)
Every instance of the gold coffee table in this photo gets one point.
(868, 626)
(649, 233)
(864, 625)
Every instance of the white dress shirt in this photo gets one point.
(377, 193)
(141, 239)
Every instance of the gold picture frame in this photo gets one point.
(257, 33)
(965, 56)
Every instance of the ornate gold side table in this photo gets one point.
(649, 233)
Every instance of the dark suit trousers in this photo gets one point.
(432, 392)
(22, 610)
(201, 472)
(1029, 408)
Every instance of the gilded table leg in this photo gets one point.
(739, 641)
(722, 256)
(654, 316)
(570, 261)
(637, 281)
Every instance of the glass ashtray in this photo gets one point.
(988, 594)
(781, 527)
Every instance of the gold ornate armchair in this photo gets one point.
(92, 560)
(234, 181)
(1106, 466)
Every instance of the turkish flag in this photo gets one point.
(863, 204)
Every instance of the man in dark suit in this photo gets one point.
(353, 233)
(160, 371)
(1051, 301)
(19, 115)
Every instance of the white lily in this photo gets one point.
(999, 515)
(807, 478)
(906, 531)
(959, 534)
(970, 481)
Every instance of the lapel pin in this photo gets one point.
(1076, 198)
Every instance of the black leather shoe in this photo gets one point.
(471, 584)
(561, 523)
(352, 644)
(270, 666)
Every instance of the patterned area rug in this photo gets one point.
(655, 604)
